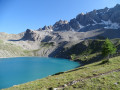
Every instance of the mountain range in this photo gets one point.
(107, 18)
(101, 20)
(50, 40)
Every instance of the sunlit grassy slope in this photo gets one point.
(12, 50)
(95, 76)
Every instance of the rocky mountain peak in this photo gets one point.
(107, 18)
(29, 31)
(47, 27)
(61, 26)
(30, 35)
(74, 24)
(105, 22)
(61, 22)
(117, 6)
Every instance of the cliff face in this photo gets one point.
(103, 18)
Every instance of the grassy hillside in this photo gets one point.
(85, 48)
(12, 50)
(104, 82)
(89, 77)
(88, 51)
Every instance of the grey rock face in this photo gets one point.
(30, 35)
(74, 24)
(61, 26)
(84, 19)
(96, 18)
(40, 29)
(105, 17)
(88, 20)
(114, 14)
(47, 28)
(47, 39)
(93, 27)
(80, 18)
(114, 17)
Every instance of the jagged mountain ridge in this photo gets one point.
(103, 22)
(103, 18)
(50, 40)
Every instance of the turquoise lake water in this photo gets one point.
(14, 71)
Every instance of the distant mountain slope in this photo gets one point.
(108, 18)
(11, 50)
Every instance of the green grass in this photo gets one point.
(88, 51)
(44, 46)
(105, 82)
(47, 44)
(87, 57)
(1, 41)
(12, 50)
(35, 52)
(82, 49)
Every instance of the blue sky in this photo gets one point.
(18, 15)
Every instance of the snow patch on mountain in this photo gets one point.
(94, 21)
(81, 26)
(110, 25)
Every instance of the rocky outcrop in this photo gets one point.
(47, 28)
(30, 35)
(74, 24)
(61, 26)
(84, 19)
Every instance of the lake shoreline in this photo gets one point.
(78, 61)
(17, 63)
